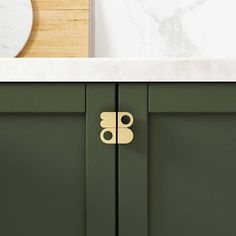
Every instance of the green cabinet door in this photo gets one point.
(178, 175)
(56, 178)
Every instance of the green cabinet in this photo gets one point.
(177, 176)
(56, 177)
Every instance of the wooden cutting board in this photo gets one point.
(60, 29)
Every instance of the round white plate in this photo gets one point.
(16, 18)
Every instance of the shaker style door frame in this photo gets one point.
(86, 100)
(143, 100)
(101, 163)
(133, 162)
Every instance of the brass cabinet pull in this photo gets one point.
(108, 123)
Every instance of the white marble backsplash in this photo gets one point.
(15, 26)
(163, 28)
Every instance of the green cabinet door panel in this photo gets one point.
(46, 166)
(42, 174)
(190, 160)
(192, 175)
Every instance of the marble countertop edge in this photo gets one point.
(117, 70)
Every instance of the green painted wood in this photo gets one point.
(192, 174)
(192, 97)
(100, 163)
(133, 163)
(42, 174)
(192, 159)
(56, 177)
(42, 159)
(42, 97)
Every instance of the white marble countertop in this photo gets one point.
(116, 70)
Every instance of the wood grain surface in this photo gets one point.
(60, 29)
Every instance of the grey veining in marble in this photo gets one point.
(16, 18)
(164, 28)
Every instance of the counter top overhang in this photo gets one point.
(117, 70)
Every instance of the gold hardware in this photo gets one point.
(112, 132)
(124, 136)
(108, 119)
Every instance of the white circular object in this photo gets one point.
(16, 18)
